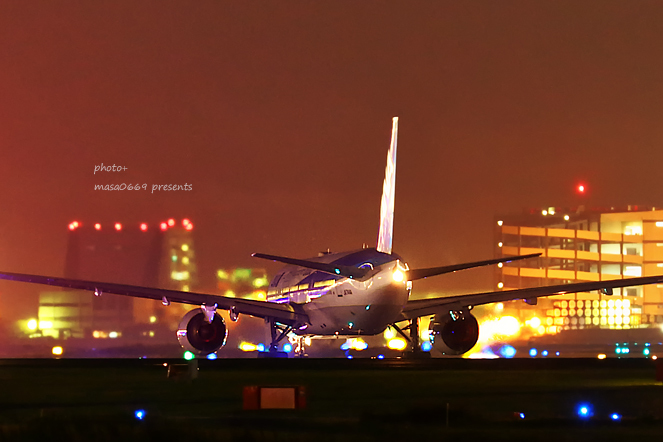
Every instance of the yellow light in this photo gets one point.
(566, 217)
(32, 324)
(153, 319)
(398, 276)
(500, 244)
(654, 357)
(307, 340)
(57, 351)
(500, 285)
(185, 247)
(534, 322)
(500, 222)
(499, 307)
(389, 333)
(45, 325)
(544, 212)
(601, 356)
(247, 346)
(185, 260)
(397, 344)
(500, 265)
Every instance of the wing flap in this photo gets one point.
(284, 313)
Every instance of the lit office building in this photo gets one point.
(243, 283)
(143, 254)
(580, 246)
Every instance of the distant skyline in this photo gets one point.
(278, 116)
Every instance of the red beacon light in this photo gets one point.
(72, 227)
(581, 188)
(189, 226)
(163, 226)
(118, 226)
(185, 222)
(97, 226)
(143, 227)
(171, 222)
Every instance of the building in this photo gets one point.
(243, 283)
(149, 255)
(584, 245)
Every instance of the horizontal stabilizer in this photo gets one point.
(347, 271)
(415, 274)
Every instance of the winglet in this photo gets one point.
(386, 232)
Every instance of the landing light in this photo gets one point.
(398, 276)
(397, 344)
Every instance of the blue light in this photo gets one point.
(260, 347)
(544, 353)
(345, 346)
(337, 271)
(557, 354)
(645, 352)
(380, 356)
(368, 307)
(618, 350)
(350, 356)
(287, 348)
(584, 411)
(522, 415)
(351, 324)
(532, 352)
(139, 414)
(426, 346)
(625, 350)
(615, 416)
(211, 356)
(507, 351)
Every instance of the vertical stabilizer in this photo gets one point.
(388, 195)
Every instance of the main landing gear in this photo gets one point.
(278, 332)
(415, 351)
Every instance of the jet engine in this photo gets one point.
(199, 336)
(454, 337)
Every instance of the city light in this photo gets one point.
(97, 226)
(171, 222)
(189, 226)
(581, 188)
(247, 346)
(57, 350)
(163, 226)
(32, 324)
(143, 227)
(185, 222)
(118, 226)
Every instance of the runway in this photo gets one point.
(345, 399)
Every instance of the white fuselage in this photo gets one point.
(337, 305)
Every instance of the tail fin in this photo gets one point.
(388, 195)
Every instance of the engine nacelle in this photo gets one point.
(454, 337)
(199, 336)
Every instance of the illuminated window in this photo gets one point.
(572, 304)
(595, 312)
(659, 223)
(595, 304)
(565, 304)
(499, 223)
(611, 303)
(595, 321)
(588, 312)
(185, 247)
(604, 303)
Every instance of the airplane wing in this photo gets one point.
(424, 307)
(283, 313)
(414, 274)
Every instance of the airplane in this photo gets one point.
(354, 293)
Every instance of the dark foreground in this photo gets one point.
(80, 400)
